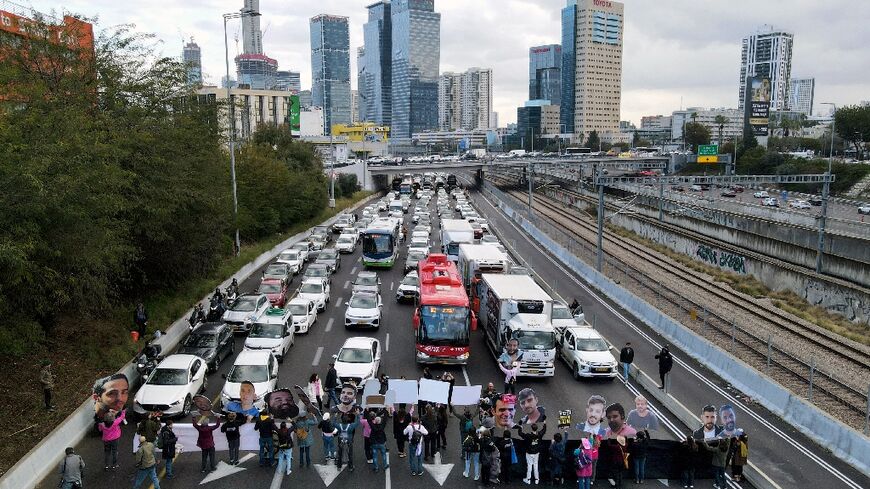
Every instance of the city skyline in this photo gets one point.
(682, 50)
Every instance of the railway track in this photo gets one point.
(841, 396)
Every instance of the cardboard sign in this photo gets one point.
(466, 396)
(405, 391)
(434, 391)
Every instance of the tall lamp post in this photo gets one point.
(825, 191)
(234, 15)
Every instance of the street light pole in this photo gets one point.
(826, 188)
(232, 141)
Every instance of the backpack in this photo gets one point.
(470, 444)
(416, 437)
(301, 433)
(582, 460)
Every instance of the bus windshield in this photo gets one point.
(443, 325)
(377, 244)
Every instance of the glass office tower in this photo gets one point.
(330, 69)
(416, 58)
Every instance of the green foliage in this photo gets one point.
(594, 141)
(757, 161)
(346, 185)
(697, 134)
(853, 125)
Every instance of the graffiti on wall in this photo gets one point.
(720, 258)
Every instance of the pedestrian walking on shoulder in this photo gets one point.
(315, 390)
(332, 386)
(626, 357)
(285, 449)
(146, 464)
(72, 470)
(140, 319)
(205, 442)
(231, 430)
(46, 378)
(666, 363)
(168, 439)
(111, 433)
(740, 457)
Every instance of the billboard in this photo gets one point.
(295, 126)
(759, 90)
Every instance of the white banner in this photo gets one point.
(406, 390)
(434, 391)
(187, 436)
(466, 396)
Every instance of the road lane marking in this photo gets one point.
(387, 343)
(465, 374)
(353, 271)
(392, 285)
(329, 325)
(317, 355)
(278, 478)
(346, 284)
(339, 302)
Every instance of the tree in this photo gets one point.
(697, 134)
(853, 125)
(594, 142)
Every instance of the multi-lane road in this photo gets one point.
(788, 457)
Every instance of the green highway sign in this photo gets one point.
(708, 150)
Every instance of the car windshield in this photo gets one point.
(245, 304)
(311, 288)
(276, 270)
(327, 255)
(355, 355)
(168, 376)
(411, 280)
(345, 239)
(560, 312)
(366, 280)
(363, 301)
(316, 272)
(269, 288)
(298, 310)
(592, 344)
(415, 256)
(289, 256)
(261, 330)
(252, 373)
(536, 340)
(300, 246)
(201, 340)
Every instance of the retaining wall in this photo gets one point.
(44, 458)
(843, 441)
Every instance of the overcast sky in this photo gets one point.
(674, 50)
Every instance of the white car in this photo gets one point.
(363, 310)
(316, 290)
(367, 281)
(484, 225)
(246, 310)
(770, 202)
(274, 332)
(304, 249)
(260, 367)
(563, 318)
(409, 287)
(489, 239)
(799, 204)
(420, 233)
(171, 386)
(864, 209)
(304, 314)
(292, 258)
(397, 213)
(346, 243)
(358, 360)
(586, 352)
(421, 245)
(761, 194)
(423, 227)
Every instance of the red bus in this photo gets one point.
(442, 320)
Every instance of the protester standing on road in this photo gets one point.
(285, 449)
(111, 433)
(401, 420)
(378, 439)
(430, 421)
(510, 377)
(145, 464)
(265, 425)
(720, 459)
(666, 363)
(583, 464)
(304, 425)
(168, 439)
(471, 447)
(508, 455)
(533, 451)
(466, 426)
(443, 417)
(638, 454)
(346, 429)
(687, 455)
(231, 429)
(149, 427)
(315, 390)
(328, 432)
(415, 433)
(332, 385)
(140, 319)
(557, 457)
(205, 442)
(46, 378)
(71, 470)
(626, 357)
(740, 447)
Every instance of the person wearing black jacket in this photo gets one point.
(443, 416)
(533, 450)
(331, 386)
(638, 454)
(401, 420)
(666, 363)
(265, 425)
(167, 447)
(378, 439)
(430, 422)
(231, 429)
(506, 451)
(626, 357)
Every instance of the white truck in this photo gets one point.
(514, 307)
(474, 261)
(455, 232)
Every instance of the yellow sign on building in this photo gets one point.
(362, 132)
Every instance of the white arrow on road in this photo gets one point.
(328, 472)
(665, 482)
(438, 471)
(224, 469)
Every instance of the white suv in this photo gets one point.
(260, 367)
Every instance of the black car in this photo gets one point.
(212, 342)
(815, 200)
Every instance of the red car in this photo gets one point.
(275, 289)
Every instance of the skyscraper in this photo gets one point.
(569, 65)
(545, 73)
(416, 40)
(476, 98)
(361, 84)
(191, 56)
(288, 80)
(257, 71)
(330, 69)
(597, 65)
(378, 35)
(449, 101)
(767, 53)
(252, 37)
(800, 97)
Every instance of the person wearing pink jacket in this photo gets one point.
(510, 377)
(583, 464)
(111, 430)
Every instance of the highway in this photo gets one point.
(788, 458)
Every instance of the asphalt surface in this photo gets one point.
(313, 351)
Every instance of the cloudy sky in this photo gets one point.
(675, 51)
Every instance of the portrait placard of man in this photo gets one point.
(110, 395)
